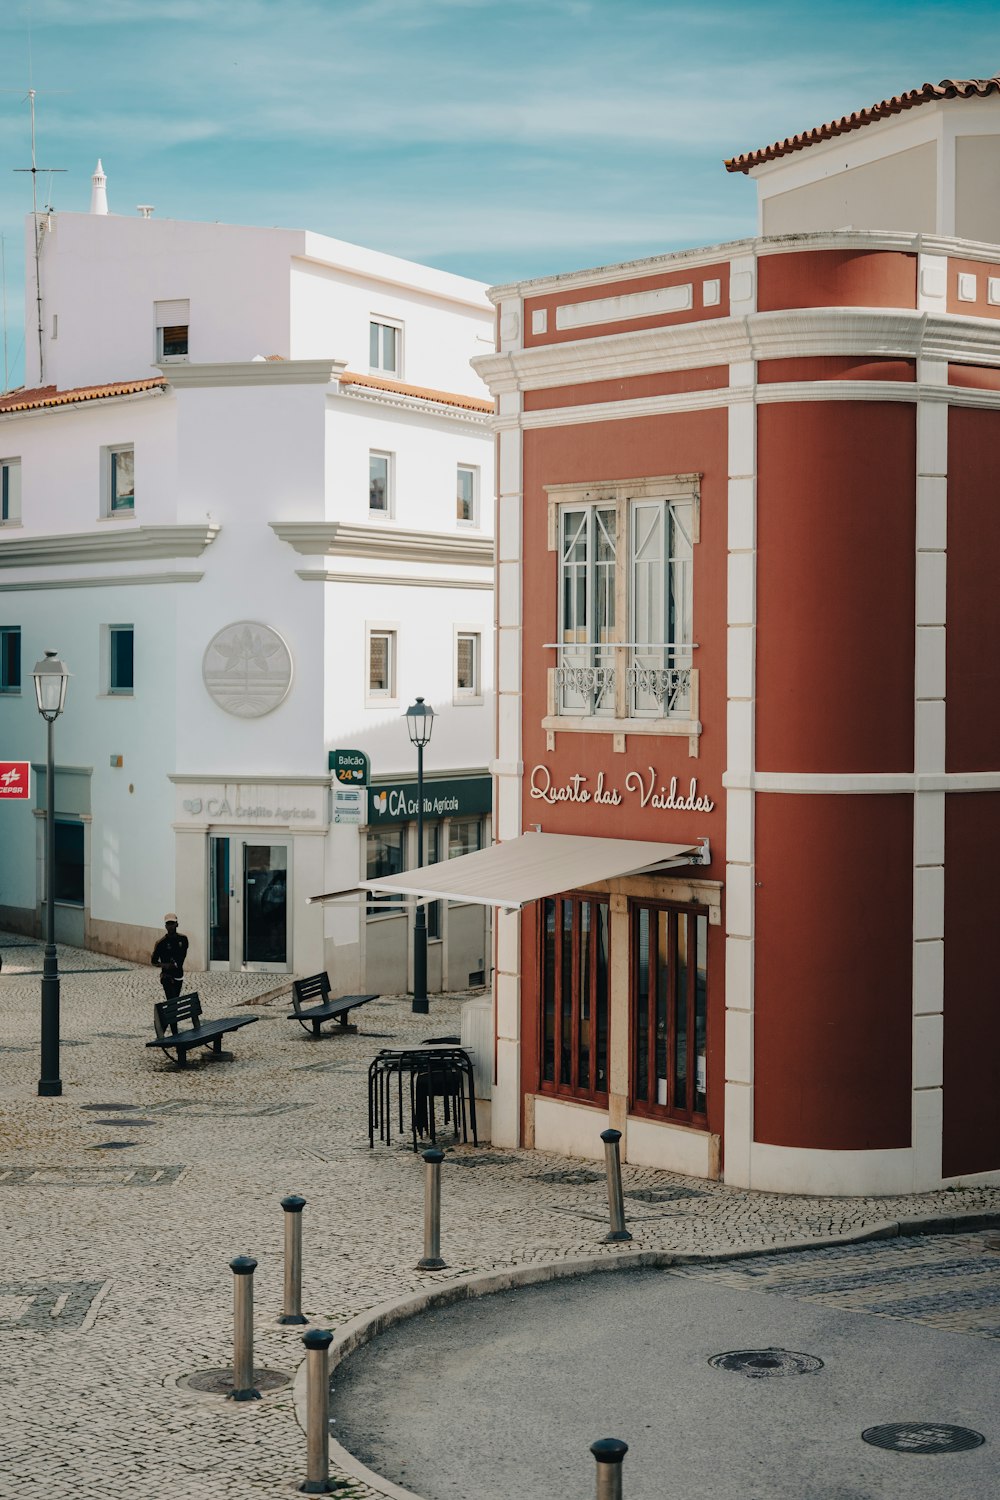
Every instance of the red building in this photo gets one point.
(748, 522)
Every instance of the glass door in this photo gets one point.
(265, 906)
(220, 898)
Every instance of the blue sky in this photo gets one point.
(498, 140)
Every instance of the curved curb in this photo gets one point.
(368, 1325)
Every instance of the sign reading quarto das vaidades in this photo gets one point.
(641, 784)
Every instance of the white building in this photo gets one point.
(248, 496)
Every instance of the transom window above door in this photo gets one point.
(625, 629)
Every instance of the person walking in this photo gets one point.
(169, 955)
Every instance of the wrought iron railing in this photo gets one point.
(656, 679)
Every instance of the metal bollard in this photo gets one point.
(292, 1311)
(431, 1258)
(317, 1342)
(616, 1201)
(243, 1268)
(609, 1453)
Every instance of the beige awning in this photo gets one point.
(525, 869)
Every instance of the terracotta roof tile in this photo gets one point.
(928, 93)
(49, 395)
(442, 398)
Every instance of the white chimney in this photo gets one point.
(98, 190)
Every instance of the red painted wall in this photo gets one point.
(687, 443)
(836, 534)
(597, 292)
(833, 971)
(663, 383)
(973, 665)
(836, 278)
(983, 270)
(971, 984)
(835, 367)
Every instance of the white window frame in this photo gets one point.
(472, 520)
(175, 314)
(10, 492)
(611, 678)
(108, 466)
(5, 688)
(463, 697)
(378, 320)
(390, 483)
(379, 697)
(108, 687)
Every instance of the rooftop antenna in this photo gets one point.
(34, 169)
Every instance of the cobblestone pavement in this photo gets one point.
(114, 1278)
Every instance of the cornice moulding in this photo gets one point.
(424, 581)
(117, 580)
(340, 539)
(138, 543)
(786, 334)
(413, 403)
(905, 241)
(253, 372)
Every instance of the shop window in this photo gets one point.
(385, 857)
(121, 660)
(385, 348)
(574, 1009)
(669, 1012)
(10, 491)
(625, 628)
(118, 467)
(432, 854)
(468, 495)
(67, 872)
(380, 483)
(10, 658)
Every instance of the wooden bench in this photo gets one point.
(167, 1016)
(317, 987)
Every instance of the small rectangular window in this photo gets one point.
(121, 661)
(67, 872)
(380, 483)
(382, 664)
(468, 496)
(385, 857)
(467, 654)
(119, 480)
(10, 490)
(385, 347)
(172, 342)
(10, 658)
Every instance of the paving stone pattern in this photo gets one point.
(133, 1245)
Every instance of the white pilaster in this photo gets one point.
(741, 618)
(929, 754)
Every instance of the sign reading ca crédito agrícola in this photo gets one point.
(643, 785)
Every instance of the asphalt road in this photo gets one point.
(502, 1397)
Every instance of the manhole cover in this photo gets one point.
(661, 1195)
(112, 1146)
(756, 1363)
(922, 1437)
(220, 1382)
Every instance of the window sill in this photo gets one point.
(381, 703)
(116, 696)
(690, 729)
(467, 700)
(117, 515)
(7, 692)
(12, 525)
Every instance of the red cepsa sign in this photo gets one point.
(15, 778)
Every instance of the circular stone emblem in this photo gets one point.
(757, 1363)
(247, 669)
(922, 1437)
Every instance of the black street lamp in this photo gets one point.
(420, 722)
(51, 680)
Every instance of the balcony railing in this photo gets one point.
(623, 679)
